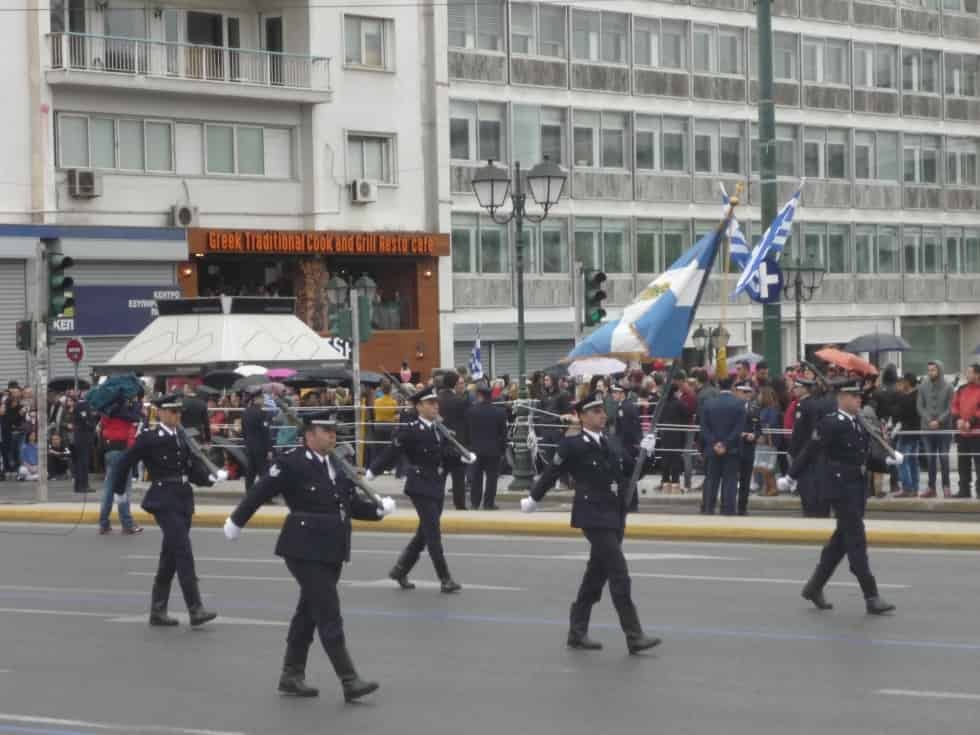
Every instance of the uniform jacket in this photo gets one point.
(255, 430)
(486, 426)
(752, 425)
(84, 421)
(629, 431)
(809, 411)
(428, 456)
(168, 464)
(599, 480)
(723, 421)
(318, 527)
(453, 409)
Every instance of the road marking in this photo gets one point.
(929, 695)
(762, 580)
(580, 556)
(358, 583)
(27, 719)
(73, 613)
(221, 619)
(75, 590)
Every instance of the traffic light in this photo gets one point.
(364, 311)
(60, 298)
(25, 335)
(339, 322)
(594, 296)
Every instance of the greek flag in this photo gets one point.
(772, 242)
(476, 361)
(738, 247)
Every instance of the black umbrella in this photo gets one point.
(559, 370)
(60, 385)
(206, 390)
(877, 343)
(302, 381)
(250, 381)
(221, 379)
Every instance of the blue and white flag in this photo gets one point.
(476, 361)
(738, 246)
(772, 243)
(657, 322)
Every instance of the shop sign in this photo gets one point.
(112, 310)
(293, 242)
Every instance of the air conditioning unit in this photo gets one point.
(363, 191)
(184, 215)
(84, 183)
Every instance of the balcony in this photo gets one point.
(78, 59)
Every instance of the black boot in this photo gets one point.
(192, 596)
(813, 591)
(578, 630)
(354, 686)
(293, 679)
(448, 585)
(400, 575)
(158, 606)
(629, 620)
(877, 606)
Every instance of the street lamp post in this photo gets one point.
(700, 340)
(807, 276)
(492, 186)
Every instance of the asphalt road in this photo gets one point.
(743, 654)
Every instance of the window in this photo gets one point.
(923, 252)
(123, 144)
(73, 141)
(718, 50)
(827, 245)
(539, 133)
(961, 6)
(718, 147)
(370, 157)
(887, 156)
(786, 148)
(476, 131)
(251, 154)
(463, 243)
(825, 154)
(599, 36)
(220, 144)
(673, 44)
(961, 161)
(600, 139)
(553, 22)
(674, 156)
(785, 56)
(537, 30)
(523, 32)
(875, 67)
(971, 251)
(159, 146)
(870, 166)
(920, 71)
(647, 143)
(646, 41)
(921, 159)
(479, 245)
(887, 244)
(961, 75)
(825, 61)
(602, 245)
(368, 41)
(494, 250)
(552, 253)
(659, 244)
(476, 24)
(931, 339)
(864, 238)
(247, 150)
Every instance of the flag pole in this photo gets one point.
(641, 460)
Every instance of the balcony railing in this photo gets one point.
(161, 59)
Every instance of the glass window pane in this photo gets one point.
(730, 149)
(462, 244)
(647, 247)
(614, 251)
(159, 147)
(932, 252)
(73, 141)
(953, 251)
(490, 25)
(674, 44)
(251, 154)
(888, 261)
(702, 50)
(702, 153)
(729, 52)
(522, 35)
(553, 135)
(587, 243)
(491, 133)
(837, 154)
(462, 23)
(585, 35)
(887, 156)
(103, 134)
(373, 33)
(674, 140)
(131, 145)
(864, 250)
(352, 40)
(220, 149)
(554, 248)
(614, 38)
(863, 66)
(526, 122)
(912, 238)
(459, 138)
(864, 157)
(885, 67)
(493, 250)
(811, 160)
(646, 143)
(646, 37)
(676, 240)
(552, 31)
(971, 251)
(613, 140)
(838, 247)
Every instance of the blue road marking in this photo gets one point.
(18, 730)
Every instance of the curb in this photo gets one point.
(554, 524)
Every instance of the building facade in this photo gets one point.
(649, 105)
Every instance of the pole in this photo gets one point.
(798, 288)
(578, 297)
(76, 377)
(523, 472)
(41, 296)
(771, 313)
(355, 320)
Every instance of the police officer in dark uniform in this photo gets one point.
(453, 407)
(811, 407)
(258, 439)
(487, 428)
(627, 434)
(315, 542)
(750, 436)
(598, 510)
(841, 452)
(430, 457)
(170, 500)
(84, 420)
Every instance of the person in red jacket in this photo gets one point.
(966, 414)
(118, 434)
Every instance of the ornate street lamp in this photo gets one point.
(700, 340)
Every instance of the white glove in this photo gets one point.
(369, 475)
(528, 505)
(894, 460)
(648, 443)
(387, 507)
(469, 458)
(232, 531)
(124, 498)
(786, 484)
(221, 476)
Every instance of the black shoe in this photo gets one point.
(160, 619)
(294, 685)
(962, 495)
(401, 576)
(642, 643)
(878, 606)
(815, 596)
(200, 616)
(583, 643)
(448, 586)
(159, 597)
(354, 686)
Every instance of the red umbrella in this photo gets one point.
(847, 361)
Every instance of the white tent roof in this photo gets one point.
(178, 342)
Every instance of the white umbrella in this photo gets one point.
(597, 366)
(750, 357)
(247, 370)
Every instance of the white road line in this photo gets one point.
(580, 556)
(928, 695)
(222, 619)
(69, 613)
(27, 719)
(75, 590)
(359, 583)
(761, 580)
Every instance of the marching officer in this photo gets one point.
(258, 439)
(746, 452)
(315, 542)
(430, 457)
(170, 500)
(487, 427)
(841, 450)
(598, 510)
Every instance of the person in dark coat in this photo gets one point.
(810, 409)
(83, 433)
(750, 436)
(430, 457)
(256, 432)
(722, 423)
(627, 435)
(170, 500)
(676, 412)
(315, 543)
(453, 407)
(841, 448)
(599, 511)
(487, 429)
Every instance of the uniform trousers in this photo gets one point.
(427, 535)
(813, 505)
(485, 469)
(746, 466)
(176, 555)
(606, 564)
(722, 473)
(318, 609)
(258, 463)
(458, 475)
(848, 540)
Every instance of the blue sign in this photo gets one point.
(768, 284)
(112, 310)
